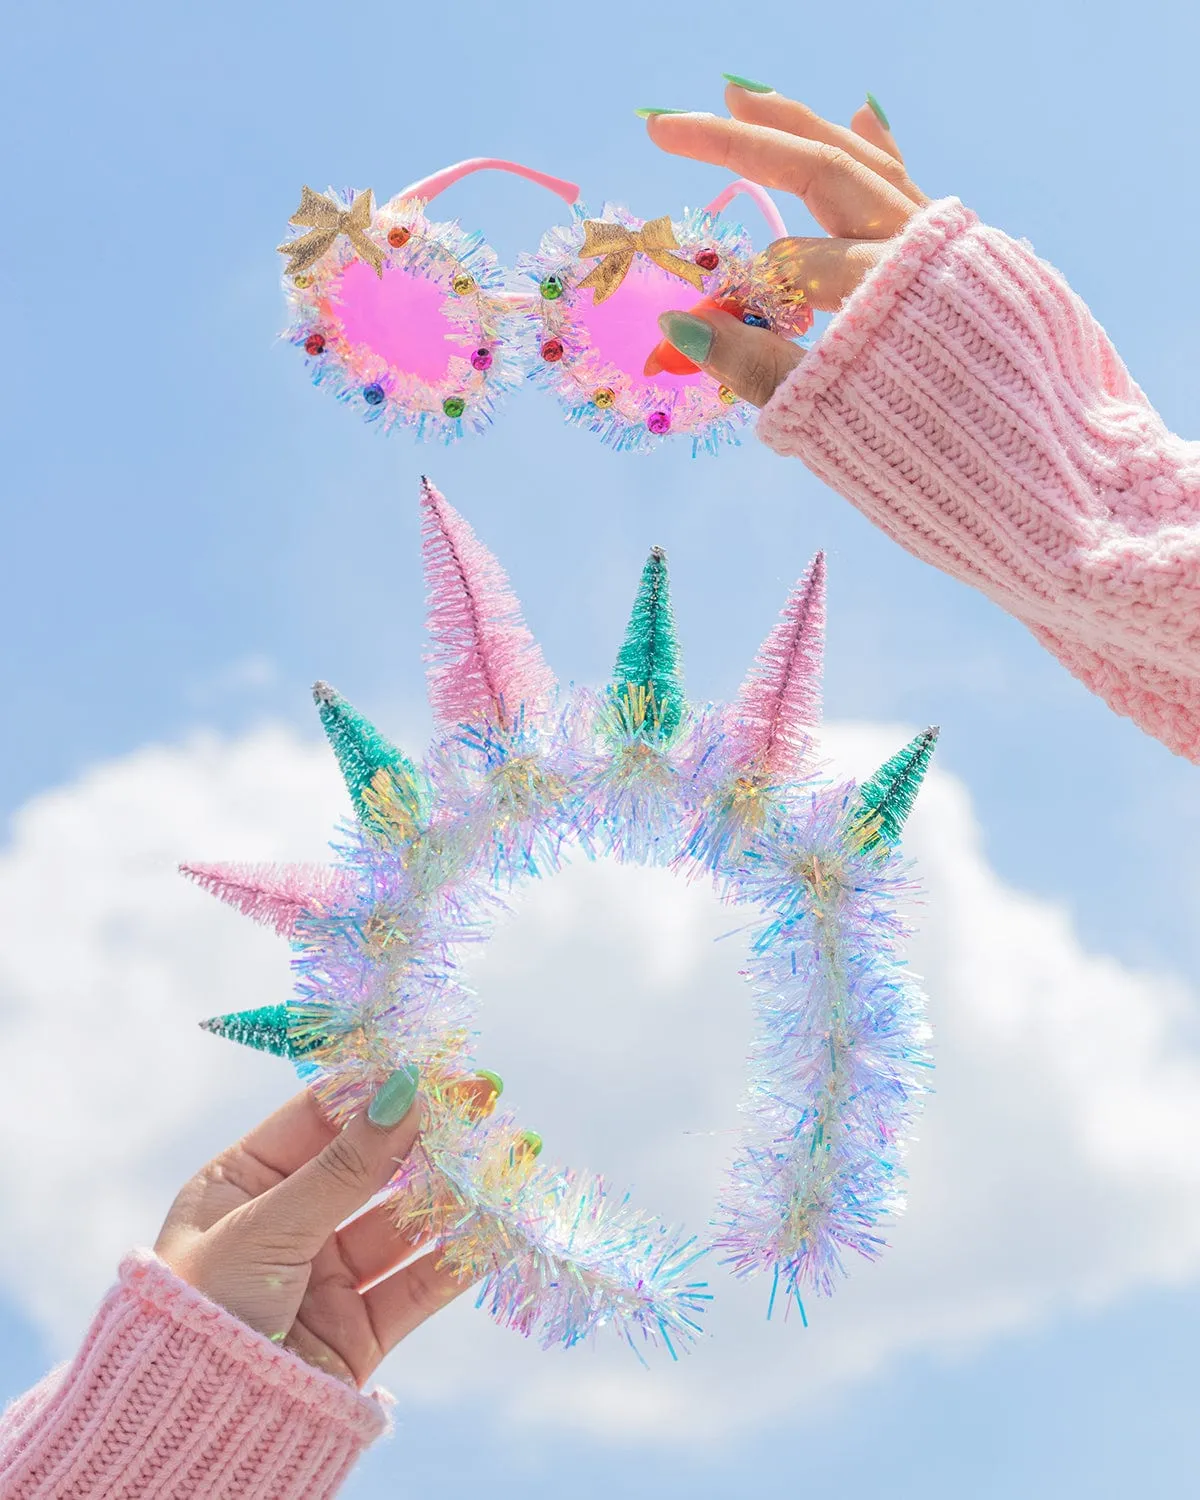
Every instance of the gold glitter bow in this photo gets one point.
(328, 220)
(619, 245)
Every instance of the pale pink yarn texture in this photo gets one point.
(968, 403)
(171, 1397)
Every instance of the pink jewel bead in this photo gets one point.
(482, 359)
(658, 422)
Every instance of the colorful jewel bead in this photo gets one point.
(454, 406)
(482, 359)
(603, 398)
(302, 282)
(314, 344)
(399, 237)
(552, 351)
(729, 397)
(523, 1152)
(708, 260)
(552, 288)
(659, 422)
(463, 285)
(755, 319)
(373, 395)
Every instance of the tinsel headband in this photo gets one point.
(414, 322)
(518, 776)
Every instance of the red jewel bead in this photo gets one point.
(314, 344)
(658, 422)
(398, 237)
(708, 260)
(482, 359)
(552, 350)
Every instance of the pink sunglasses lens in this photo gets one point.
(397, 319)
(624, 328)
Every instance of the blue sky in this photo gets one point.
(193, 534)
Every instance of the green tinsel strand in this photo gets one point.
(887, 798)
(362, 753)
(648, 677)
(264, 1029)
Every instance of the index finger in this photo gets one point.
(294, 1134)
(270, 1153)
(778, 112)
(844, 195)
(298, 1131)
(305, 1208)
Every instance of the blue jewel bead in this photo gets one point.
(373, 395)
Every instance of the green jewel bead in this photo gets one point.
(552, 288)
(454, 406)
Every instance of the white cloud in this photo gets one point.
(1056, 1166)
(108, 958)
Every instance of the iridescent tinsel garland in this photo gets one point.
(520, 774)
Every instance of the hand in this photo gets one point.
(853, 182)
(257, 1231)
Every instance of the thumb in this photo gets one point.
(752, 362)
(304, 1209)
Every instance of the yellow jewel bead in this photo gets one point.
(463, 284)
(726, 395)
(302, 281)
(603, 398)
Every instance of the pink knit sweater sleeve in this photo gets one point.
(170, 1397)
(969, 404)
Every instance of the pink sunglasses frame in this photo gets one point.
(478, 331)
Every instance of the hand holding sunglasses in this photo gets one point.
(852, 180)
(415, 322)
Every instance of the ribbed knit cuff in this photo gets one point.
(170, 1397)
(967, 403)
(784, 420)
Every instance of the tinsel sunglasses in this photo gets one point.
(415, 321)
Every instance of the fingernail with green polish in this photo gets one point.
(692, 336)
(748, 84)
(394, 1097)
(877, 111)
(489, 1077)
(648, 114)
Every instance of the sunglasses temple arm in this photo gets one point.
(760, 196)
(430, 187)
